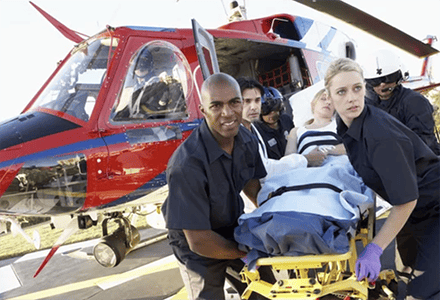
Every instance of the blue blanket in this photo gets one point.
(317, 215)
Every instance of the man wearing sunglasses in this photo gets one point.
(274, 125)
(384, 74)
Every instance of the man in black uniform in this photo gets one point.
(384, 74)
(274, 125)
(205, 176)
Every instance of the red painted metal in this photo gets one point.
(119, 170)
(114, 171)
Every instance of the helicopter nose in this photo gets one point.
(9, 135)
(10, 149)
(31, 126)
(15, 154)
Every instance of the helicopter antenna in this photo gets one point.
(224, 8)
(237, 12)
(72, 35)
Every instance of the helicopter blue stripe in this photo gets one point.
(190, 125)
(89, 144)
(150, 186)
(116, 139)
(327, 39)
(147, 28)
(85, 145)
(302, 26)
(156, 182)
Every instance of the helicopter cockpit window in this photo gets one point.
(75, 87)
(156, 85)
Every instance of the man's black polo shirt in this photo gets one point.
(205, 182)
(275, 139)
(391, 159)
(413, 110)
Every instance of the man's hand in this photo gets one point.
(251, 190)
(315, 158)
(210, 244)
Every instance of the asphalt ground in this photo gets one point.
(149, 272)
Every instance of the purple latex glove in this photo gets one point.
(368, 263)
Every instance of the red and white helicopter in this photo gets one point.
(382, 30)
(93, 144)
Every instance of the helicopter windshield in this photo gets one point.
(156, 86)
(75, 87)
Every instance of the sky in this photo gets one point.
(31, 46)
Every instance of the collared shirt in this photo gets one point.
(261, 145)
(391, 159)
(275, 139)
(205, 182)
(413, 110)
(275, 166)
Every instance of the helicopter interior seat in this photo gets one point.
(176, 102)
(159, 100)
(163, 98)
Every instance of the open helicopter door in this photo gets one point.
(205, 48)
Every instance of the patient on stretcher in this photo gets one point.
(308, 210)
(320, 131)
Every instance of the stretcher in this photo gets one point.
(329, 276)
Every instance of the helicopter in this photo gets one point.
(92, 146)
(360, 19)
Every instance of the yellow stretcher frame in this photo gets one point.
(333, 274)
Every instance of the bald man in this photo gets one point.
(205, 176)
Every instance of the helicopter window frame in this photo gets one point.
(75, 87)
(162, 95)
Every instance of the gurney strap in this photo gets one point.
(283, 189)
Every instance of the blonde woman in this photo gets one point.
(320, 131)
(394, 162)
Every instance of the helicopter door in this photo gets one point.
(205, 48)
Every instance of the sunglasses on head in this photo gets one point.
(394, 77)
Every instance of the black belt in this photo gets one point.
(284, 189)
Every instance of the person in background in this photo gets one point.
(205, 176)
(143, 70)
(252, 92)
(274, 125)
(319, 132)
(394, 162)
(384, 75)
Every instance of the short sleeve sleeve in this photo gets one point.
(187, 204)
(419, 115)
(393, 160)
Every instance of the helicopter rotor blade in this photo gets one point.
(372, 25)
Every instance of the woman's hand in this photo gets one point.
(368, 263)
